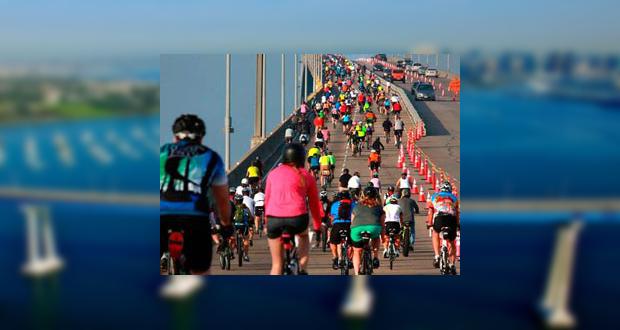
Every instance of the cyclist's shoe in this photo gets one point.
(246, 258)
(385, 253)
(302, 272)
(375, 263)
(453, 270)
(436, 262)
(335, 263)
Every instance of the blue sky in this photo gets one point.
(65, 28)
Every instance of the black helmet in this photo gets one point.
(189, 123)
(370, 192)
(294, 153)
(238, 198)
(345, 195)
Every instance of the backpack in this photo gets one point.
(173, 173)
(344, 209)
(239, 215)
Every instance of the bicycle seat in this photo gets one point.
(286, 237)
(343, 233)
(365, 235)
(444, 232)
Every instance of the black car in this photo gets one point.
(424, 91)
(415, 84)
(387, 74)
(378, 67)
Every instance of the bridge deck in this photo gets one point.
(418, 263)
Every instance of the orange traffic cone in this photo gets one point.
(428, 196)
(429, 173)
(415, 187)
(422, 197)
(421, 171)
(416, 163)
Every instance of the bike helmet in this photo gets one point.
(323, 194)
(232, 190)
(375, 175)
(245, 182)
(294, 153)
(390, 188)
(445, 187)
(373, 151)
(191, 124)
(238, 198)
(393, 199)
(370, 192)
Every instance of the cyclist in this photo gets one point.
(332, 162)
(367, 216)
(325, 168)
(241, 219)
(374, 162)
(259, 207)
(344, 180)
(303, 139)
(253, 174)
(443, 211)
(403, 183)
(399, 126)
(191, 218)
(377, 145)
(249, 202)
(245, 183)
(288, 134)
(387, 127)
(326, 135)
(369, 130)
(355, 185)
(340, 214)
(289, 189)
(393, 216)
(325, 205)
(361, 134)
(313, 152)
(409, 207)
(376, 182)
(370, 117)
(396, 108)
(390, 192)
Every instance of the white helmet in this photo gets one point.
(245, 182)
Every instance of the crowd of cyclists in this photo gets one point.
(292, 199)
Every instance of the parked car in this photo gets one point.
(424, 91)
(422, 70)
(398, 74)
(431, 73)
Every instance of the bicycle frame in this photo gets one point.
(291, 264)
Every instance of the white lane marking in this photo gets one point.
(31, 152)
(99, 153)
(65, 154)
(122, 145)
(138, 133)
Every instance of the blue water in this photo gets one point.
(126, 172)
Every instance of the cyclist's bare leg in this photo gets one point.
(303, 249)
(335, 250)
(375, 247)
(452, 252)
(435, 242)
(276, 250)
(357, 259)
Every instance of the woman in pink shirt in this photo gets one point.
(288, 188)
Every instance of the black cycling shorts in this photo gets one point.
(197, 246)
(336, 228)
(446, 221)
(253, 180)
(258, 210)
(392, 225)
(293, 225)
(244, 227)
(374, 165)
(398, 132)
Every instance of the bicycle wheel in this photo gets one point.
(405, 242)
(222, 261)
(240, 249)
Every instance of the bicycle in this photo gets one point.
(366, 265)
(345, 262)
(444, 265)
(404, 242)
(392, 248)
(291, 262)
(239, 241)
(172, 261)
(324, 233)
(225, 253)
(261, 221)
